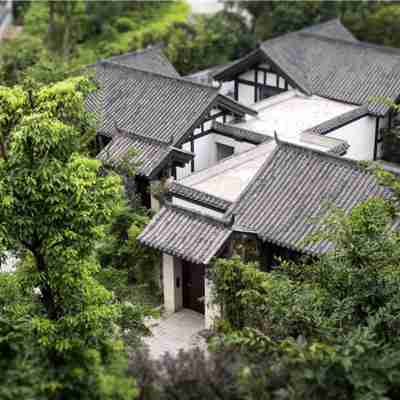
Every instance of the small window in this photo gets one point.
(224, 151)
(282, 83)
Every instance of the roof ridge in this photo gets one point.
(198, 214)
(210, 198)
(158, 47)
(164, 76)
(303, 30)
(366, 45)
(343, 160)
(357, 112)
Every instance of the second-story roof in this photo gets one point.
(327, 61)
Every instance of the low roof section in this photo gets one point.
(147, 156)
(285, 202)
(331, 64)
(153, 106)
(186, 234)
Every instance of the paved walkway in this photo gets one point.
(175, 332)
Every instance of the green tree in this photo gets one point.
(208, 41)
(322, 328)
(54, 204)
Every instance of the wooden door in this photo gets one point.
(193, 286)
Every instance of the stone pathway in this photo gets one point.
(175, 332)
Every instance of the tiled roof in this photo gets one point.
(151, 59)
(342, 119)
(329, 62)
(198, 197)
(186, 234)
(352, 72)
(148, 104)
(332, 29)
(165, 110)
(146, 155)
(294, 189)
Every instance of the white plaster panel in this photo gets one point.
(246, 94)
(172, 270)
(248, 76)
(271, 79)
(265, 66)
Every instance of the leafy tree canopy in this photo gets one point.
(54, 205)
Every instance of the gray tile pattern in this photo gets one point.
(186, 234)
(151, 59)
(144, 154)
(148, 104)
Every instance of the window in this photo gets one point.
(224, 151)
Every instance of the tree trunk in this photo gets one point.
(47, 294)
(51, 27)
(68, 7)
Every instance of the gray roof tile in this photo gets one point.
(186, 234)
(151, 59)
(148, 104)
(146, 155)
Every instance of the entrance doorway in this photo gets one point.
(193, 286)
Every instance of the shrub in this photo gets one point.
(124, 24)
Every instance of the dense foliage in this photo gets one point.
(337, 317)
(373, 21)
(120, 251)
(53, 206)
(326, 328)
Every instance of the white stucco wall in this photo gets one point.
(172, 272)
(248, 75)
(246, 94)
(360, 135)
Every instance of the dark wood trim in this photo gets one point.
(192, 150)
(376, 137)
(334, 128)
(204, 133)
(255, 85)
(236, 90)
(214, 116)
